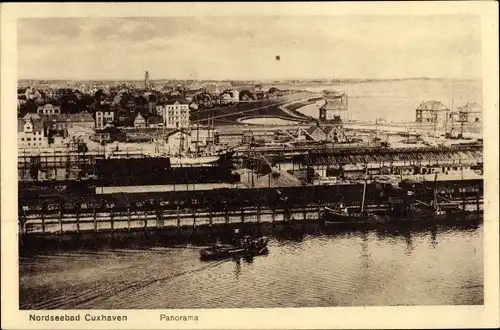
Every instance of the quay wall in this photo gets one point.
(201, 229)
(67, 214)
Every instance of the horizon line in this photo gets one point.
(255, 80)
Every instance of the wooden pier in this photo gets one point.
(79, 214)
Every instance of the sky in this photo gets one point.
(245, 47)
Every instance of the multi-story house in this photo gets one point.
(335, 109)
(103, 118)
(30, 133)
(175, 113)
(434, 112)
(62, 122)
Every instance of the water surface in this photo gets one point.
(433, 265)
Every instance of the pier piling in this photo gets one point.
(128, 218)
(78, 210)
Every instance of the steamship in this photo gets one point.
(159, 170)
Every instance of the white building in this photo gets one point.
(49, 109)
(30, 134)
(139, 121)
(175, 113)
(226, 98)
(102, 118)
(236, 96)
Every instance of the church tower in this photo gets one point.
(146, 80)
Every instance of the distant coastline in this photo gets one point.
(242, 81)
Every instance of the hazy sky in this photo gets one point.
(246, 47)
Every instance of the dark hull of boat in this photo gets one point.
(236, 253)
(159, 170)
(335, 218)
(259, 247)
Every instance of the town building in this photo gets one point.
(259, 136)
(175, 113)
(124, 118)
(139, 121)
(229, 136)
(62, 122)
(470, 113)
(108, 134)
(226, 98)
(49, 109)
(335, 108)
(32, 116)
(434, 112)
(259, 92)
(154, 121)
(334, 133)
(103, 118)
(31, 134)
(315, 133)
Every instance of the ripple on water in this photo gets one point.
(434, 266)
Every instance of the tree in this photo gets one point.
(247, 93)
(99, 95)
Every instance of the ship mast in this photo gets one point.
(364, 190)
(452, 108)
(436, 208)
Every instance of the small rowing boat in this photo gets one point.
(244, 246)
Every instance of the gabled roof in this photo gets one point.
(139, 117)
(328, 129)
(433, 105)
(37, 125)
(471, 107)
(33, 116)
(313, 129)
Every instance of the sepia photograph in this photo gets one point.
(191, 162)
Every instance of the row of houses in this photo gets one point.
(35, 130)
(168, 114)
(234, 136)
(329, 133)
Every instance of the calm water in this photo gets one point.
(397, 100)
(425, 266)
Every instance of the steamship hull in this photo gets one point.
(165, 170)
(332, 217)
